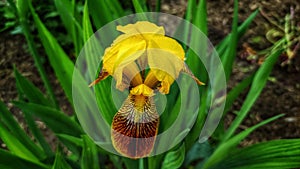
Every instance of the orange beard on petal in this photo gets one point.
(135, 126)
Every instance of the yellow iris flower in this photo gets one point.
(143, 45)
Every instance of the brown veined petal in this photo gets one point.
(135, 126)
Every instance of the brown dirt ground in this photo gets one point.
(281, 95)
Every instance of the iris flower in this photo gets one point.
(145, 61)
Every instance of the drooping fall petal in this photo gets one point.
(135, 126)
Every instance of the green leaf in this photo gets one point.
(15, 146)
(130, 163)
(86, 23)
(55, 120)
(157, 5)
(201, 17)
(66, 12)
(22, 8)
(236, 91)
(74, 144)
(90, 45)
(59, 60)
(116, 160)
(155, 161)
(174, 159)
(7, 120)
(32, 93)
(191, 8)
(137, 6)
(199, 151)
(13, 7)
(229, 145)
(140, 8)
(194, 63)
(23, 20)
(74, 140)
(116, 7)
(60, 162)
(259, 81)
(12, 161)
(276, 154)
(89, 158)
(200, 21)
(231, 97)
(105, 13)
(230, 53)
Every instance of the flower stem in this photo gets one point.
(141, 163)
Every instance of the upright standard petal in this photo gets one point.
(166, 60)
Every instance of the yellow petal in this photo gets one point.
(167, 44)
(166, 59)
(122, 54)
(142, 89)
(141, 27)
(165, 79)
(125, 51)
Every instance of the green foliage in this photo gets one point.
(89, 154)
(60, 162)
(272, 154)
(59, 60)
(80, 21)
(174, 159)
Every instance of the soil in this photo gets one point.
(281, 94)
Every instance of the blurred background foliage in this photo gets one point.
(55, 32)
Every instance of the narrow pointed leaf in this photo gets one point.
(12, 161)
(60, 162)
(32, 93)
(229, 145)
(89, 158)
(15, 146)
(229, 55)
(7, 120)
(139, 8)
(56, 120)
(66, 11)
(235, 92)
(22, 7)
(174, 159)
(276, 154)
(259, 81)
(59, 60)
